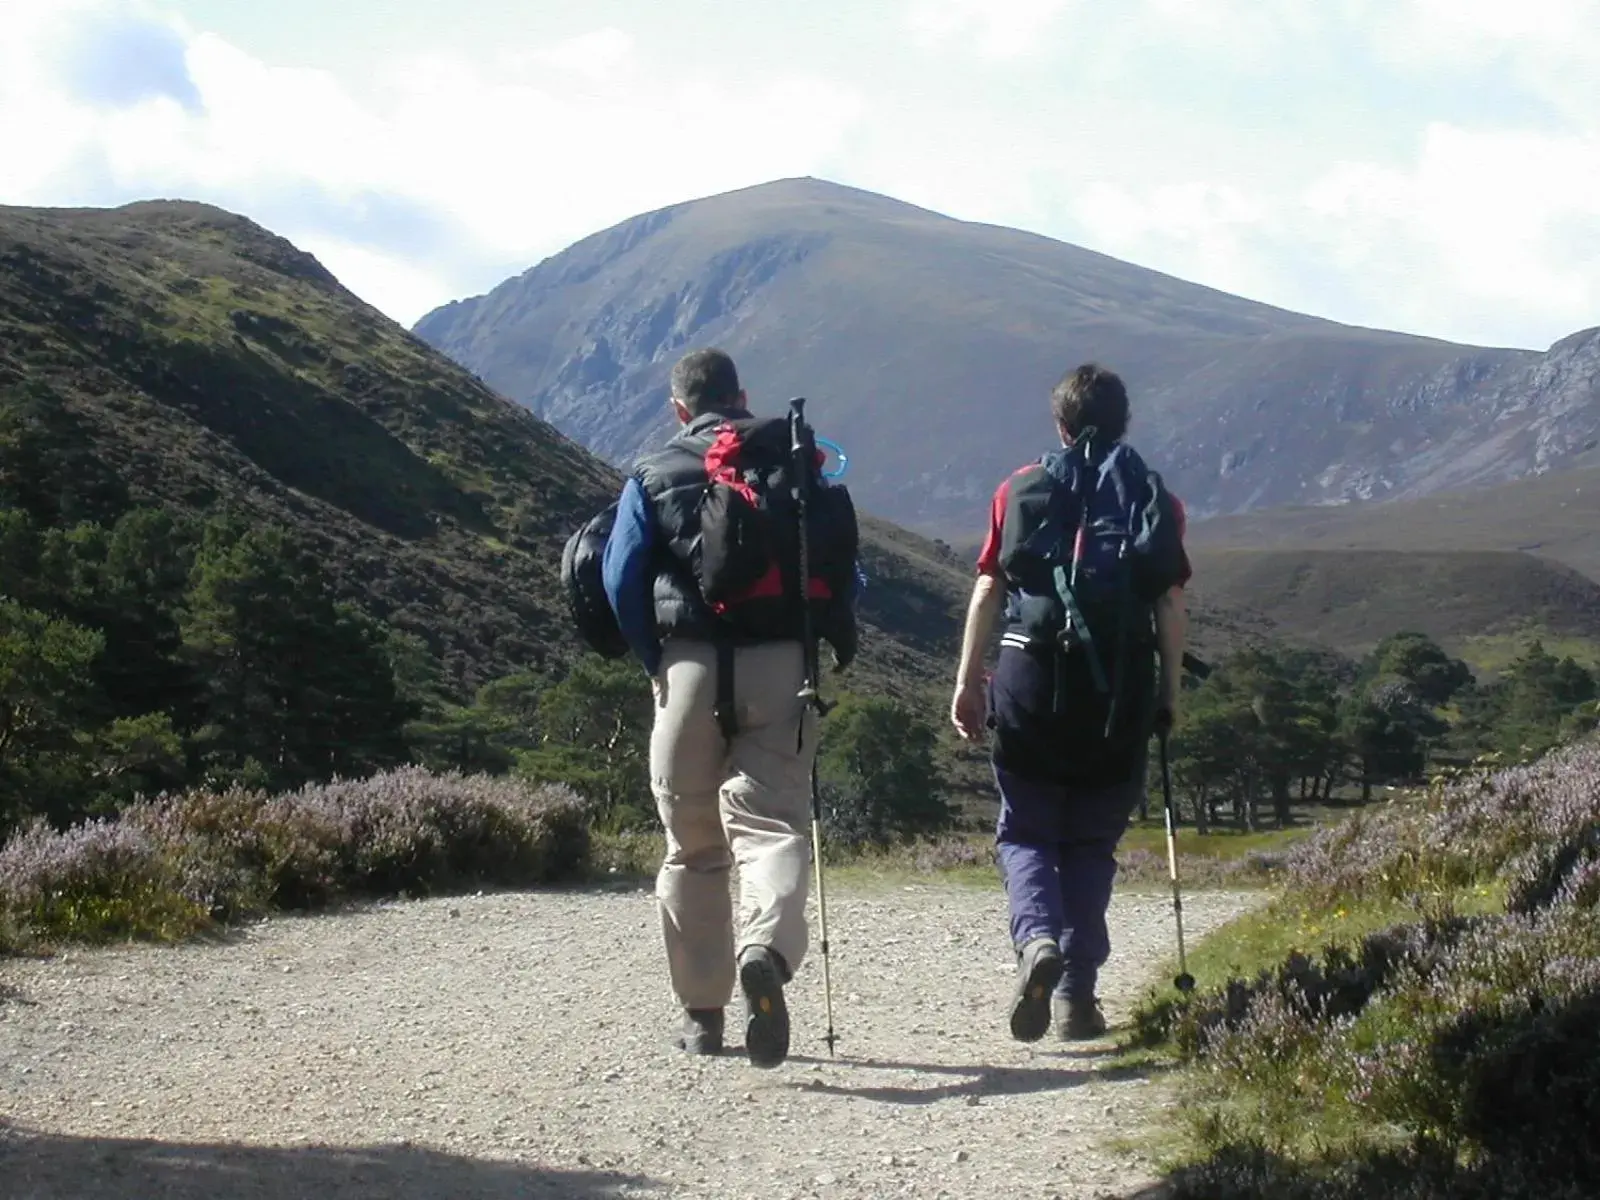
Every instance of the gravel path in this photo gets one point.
(513, 1045)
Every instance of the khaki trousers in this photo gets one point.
(748, 802)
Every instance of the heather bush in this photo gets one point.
(1448, 1055)
(1250, 1170)
(100, 879)
(1479, 826)
(1332, 985)
(1565, 871)
(410, 831)
(168, 867)
(213, 847)
(945, 854)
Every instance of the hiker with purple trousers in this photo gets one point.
(1085, 558)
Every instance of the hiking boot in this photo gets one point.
(702, 1031)
(766, 1031)
(1079, 1020)
(1038, 971)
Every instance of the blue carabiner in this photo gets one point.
(844, 459)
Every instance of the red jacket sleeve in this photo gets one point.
(989, 556)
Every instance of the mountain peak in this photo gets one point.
(929, 346)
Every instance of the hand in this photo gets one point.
(968, 710)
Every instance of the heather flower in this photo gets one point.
(99, 878)
(410, 830)
(40, 864)
(213, 843)
(168, 865)
(944, 854)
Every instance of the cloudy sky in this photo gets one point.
(1425, 165)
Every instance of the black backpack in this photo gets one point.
(746, 559)
(584, 588)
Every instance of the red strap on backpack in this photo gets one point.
(723, 462)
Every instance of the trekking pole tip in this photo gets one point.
(1184, 983)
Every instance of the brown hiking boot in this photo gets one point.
(1039, 968)
(1079, 1020)
(702, 1031)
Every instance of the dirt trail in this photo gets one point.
(516, 1045)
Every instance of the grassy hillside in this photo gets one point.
(928, 346)
(202, 359)
(199, 359)
(1350, 599)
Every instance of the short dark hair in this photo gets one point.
(705, 381)
(1091, 397)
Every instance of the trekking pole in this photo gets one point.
(822, 906)
(1185, 981)
(800, 450)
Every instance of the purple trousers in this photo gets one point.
(1057, 850)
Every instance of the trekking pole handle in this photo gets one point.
(812, 656)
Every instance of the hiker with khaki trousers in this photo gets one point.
(733, 743)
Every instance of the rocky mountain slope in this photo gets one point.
(928, 347)
(203, 360)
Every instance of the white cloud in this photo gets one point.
(995, 29)
(1551, 48)
(1467, 241)
(1480, 209)
(1240, 33)
(1281, 151)
(486, 164)
(1459, 29)
(597, 56)
(370, 273)
(1203, 229)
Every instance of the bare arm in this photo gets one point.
(1172, 625)
(988, 596)
(967, 708)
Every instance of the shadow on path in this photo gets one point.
(10, 994)
(38, 1166)
(979, 1080)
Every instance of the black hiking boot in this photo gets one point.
(1038, 971)
(1079, 1020)
(702, 1031)
(766, 1032)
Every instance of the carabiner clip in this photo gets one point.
(844, 459)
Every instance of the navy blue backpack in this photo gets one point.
(1089, 545)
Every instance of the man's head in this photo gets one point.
(705, 381)
(1090, 397)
